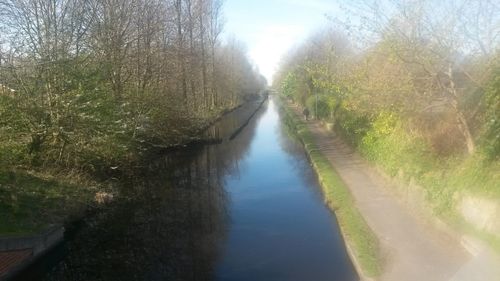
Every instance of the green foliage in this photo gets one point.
(289, 86)
(390, 145)
(296, 85)
(320, 102)
(352, 125)
(81, 122)
(409, 105)
(387, 142)
(13, 136)
(30, 202)
(490, 139)
(84, 100)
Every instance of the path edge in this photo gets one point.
(351, 252)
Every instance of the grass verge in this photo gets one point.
(359, 236)
(31, 201)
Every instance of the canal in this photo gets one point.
(248, 208)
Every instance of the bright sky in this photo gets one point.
(271, 27)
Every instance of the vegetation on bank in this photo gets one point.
(422, 105)
(30, 201)
(88, 87)
(360, 237)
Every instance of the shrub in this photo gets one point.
(352, 125)
(322, 105)
(490, 139)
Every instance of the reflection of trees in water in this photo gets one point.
(225, 127)
(291, 144)
(170, 223)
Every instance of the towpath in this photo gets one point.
(411, 249)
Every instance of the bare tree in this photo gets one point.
(436, 41)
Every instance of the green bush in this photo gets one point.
(321, 102)
(289, 86)
(352, 125)
(392, 146)
(490, 140)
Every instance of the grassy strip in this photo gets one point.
(359, 236)
(31, 201)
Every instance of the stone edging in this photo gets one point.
(350, 251)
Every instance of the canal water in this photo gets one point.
(248, 208)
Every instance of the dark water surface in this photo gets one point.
(246, 209)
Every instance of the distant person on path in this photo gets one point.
(306, 113)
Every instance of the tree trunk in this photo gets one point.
(461, 120)
(465, 130)
(180, 58)
(203, 59)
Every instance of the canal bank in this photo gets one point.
(409, 248)
(360, 240)
(27, 255)
(248, 208)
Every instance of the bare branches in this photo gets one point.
(88, 68)
(413, 55)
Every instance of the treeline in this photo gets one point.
(89, 83)
(415, 89)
